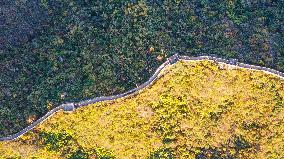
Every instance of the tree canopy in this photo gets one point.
(81, 49)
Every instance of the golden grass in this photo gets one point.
(194, 109)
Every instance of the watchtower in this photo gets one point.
(68, 107)
(173, 59)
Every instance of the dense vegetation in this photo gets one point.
(77, 49)
(195, 110)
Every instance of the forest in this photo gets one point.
(201, 110)
(56, 51)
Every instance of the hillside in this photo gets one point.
(196, 109)
(56, 51)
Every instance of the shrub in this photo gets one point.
(163, 153)
(55, 141)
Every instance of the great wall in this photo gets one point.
(171, 60)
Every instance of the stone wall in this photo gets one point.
(171, 60)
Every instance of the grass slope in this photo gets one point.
(195, 110)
